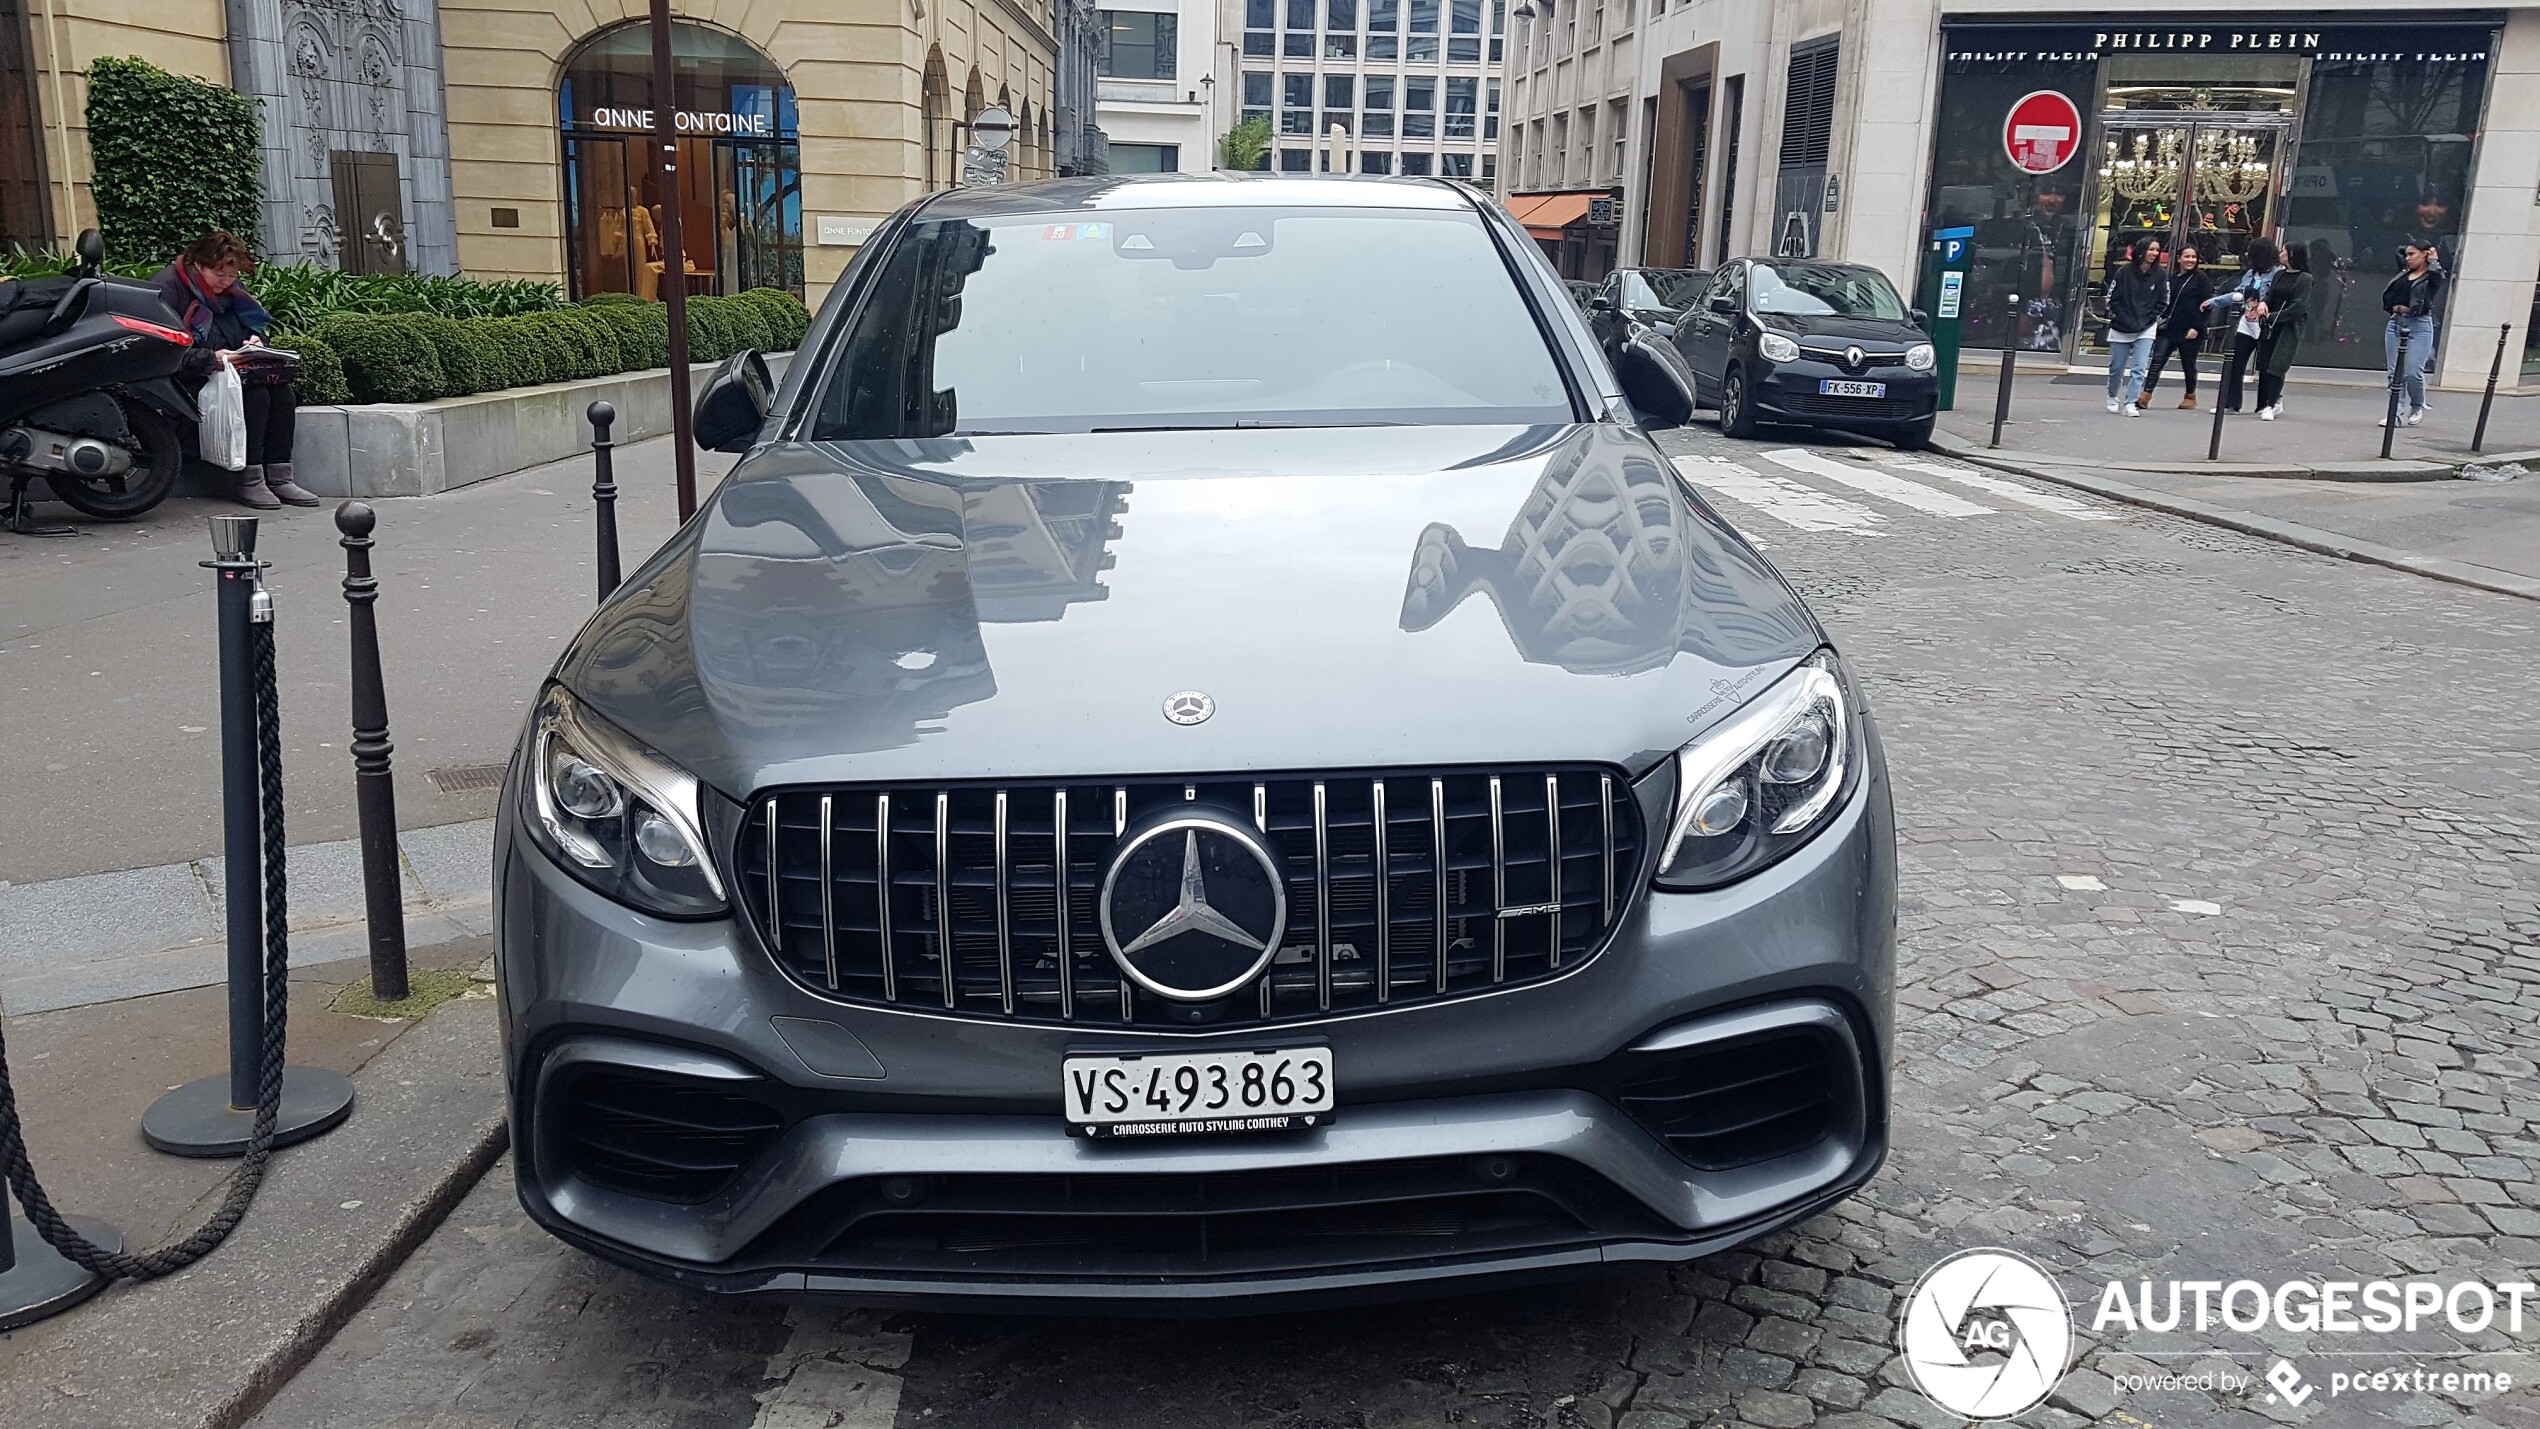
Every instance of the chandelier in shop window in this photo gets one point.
(2149, 171)
(2229, 167)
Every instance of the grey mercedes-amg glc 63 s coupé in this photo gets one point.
(1203, 760)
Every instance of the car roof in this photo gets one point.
(1211, 190)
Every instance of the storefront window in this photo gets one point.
(2385, 157)
(739, 187)
(2028, 225)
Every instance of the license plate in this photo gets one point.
(1182, 1094)
(1829, 387)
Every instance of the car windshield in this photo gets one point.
(1191, 318)
(1819, 290)
(1646, 289)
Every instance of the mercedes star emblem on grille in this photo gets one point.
(1852, 357)
(1193, 906)
(1188, 707)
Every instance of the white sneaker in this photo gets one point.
(2112, 404)
(2134, 409)
(2266, 414)
(2416, 417)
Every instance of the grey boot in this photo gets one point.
(278, 480)
(252, 490)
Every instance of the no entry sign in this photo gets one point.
(2043, 132)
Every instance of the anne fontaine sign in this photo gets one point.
(756, 126)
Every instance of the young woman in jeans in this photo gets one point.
(2410, 301)
(2244, 307)
(201, 287)
(2138, 294)
(2183, 326)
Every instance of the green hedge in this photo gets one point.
(171, 159)
(418, 357)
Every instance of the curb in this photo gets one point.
(207, 1348)
(2397, 470)
(2290, 533)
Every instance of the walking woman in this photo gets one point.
(2287, 315)
(2245, 308)
(2183, 325)
(201, 287)
(2138, 294)
(2410, 300)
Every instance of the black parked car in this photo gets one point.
(1825, 344)
(1654, 297)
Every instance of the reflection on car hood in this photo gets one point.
(1876, 332)
(1350, 597)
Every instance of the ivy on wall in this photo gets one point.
(172, 158)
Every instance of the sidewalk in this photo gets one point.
(107, 650)
(2294, 480)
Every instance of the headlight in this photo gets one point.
(617, 815)
(1919, 357)
(1764, 781)
(1776, 348)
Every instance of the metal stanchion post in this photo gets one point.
(604, 493)
(214, 1116)
(2213, 444)
(2398, 369)
(2495, 367)
(2010, 355)
(383, 885)
(35, 1279)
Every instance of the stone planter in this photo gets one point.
(425, 448)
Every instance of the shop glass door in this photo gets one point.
(2210, 180)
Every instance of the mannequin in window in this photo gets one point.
(647, 267)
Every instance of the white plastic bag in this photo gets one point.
(223, 435)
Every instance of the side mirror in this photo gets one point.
(1723, 304)
(1921, 319)
(1600, 304)
(734, 406)
(1656, 378)
(91, 252)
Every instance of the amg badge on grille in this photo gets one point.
(1193, 906)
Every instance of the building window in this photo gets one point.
(1261, 14)
(1375, 162)
(1384, 16)
(1340, 14)
(1416, 165)
(1296, 98)
(1419, 107)
(1467, 17)
(1136, 44)
(1296, 161)
(1490, 112)
(1257, 89)
(1618, 131)
(1339, 92)
(1299, 46)
(1340, 47)
(1384, 47)
(1300, 14)
(738, 191)
(1146, 158)
(1464, 50)
(1424, 30)
(1807, 141)
(1260, 45)
(1490, 170)
(1459, 106)
(1378, 118)
(1456, 166)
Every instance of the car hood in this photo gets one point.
(1024, 605)
(1836, 329)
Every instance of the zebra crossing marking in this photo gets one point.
(2007, 490)
(1872, 482)
(1781, 498)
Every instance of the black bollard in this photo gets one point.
(604, 493)
(383, 890)
(215, 1116)
(2010, 354)
(2495, 366)
(2398, 371)
(2213, 444)
(35, 1279)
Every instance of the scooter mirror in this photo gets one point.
(91, 249)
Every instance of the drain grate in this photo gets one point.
(468, 777)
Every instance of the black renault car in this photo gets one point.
(1815, 343)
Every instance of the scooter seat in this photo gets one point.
(26, 306)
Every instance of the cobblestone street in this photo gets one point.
(2220, 960)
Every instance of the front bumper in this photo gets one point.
(925, 1161)
(1787, 392)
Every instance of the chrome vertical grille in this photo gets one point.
(980, 899)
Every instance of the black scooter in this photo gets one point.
(86, 400)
